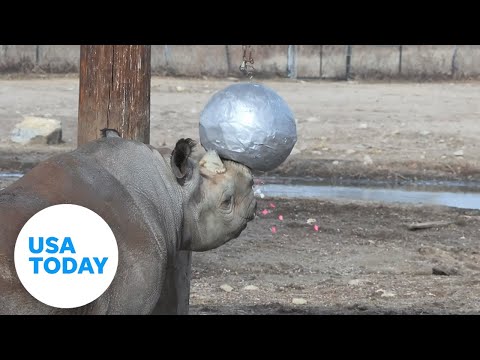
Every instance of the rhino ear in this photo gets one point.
(211, 164)
(179, 158)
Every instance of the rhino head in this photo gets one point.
(218, 198)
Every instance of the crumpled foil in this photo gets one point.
(249, 123)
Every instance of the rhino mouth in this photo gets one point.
(253, 211)
(239, 231)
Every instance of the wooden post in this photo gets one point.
(115, 93)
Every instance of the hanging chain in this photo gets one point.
(247, 64)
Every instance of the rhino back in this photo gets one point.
(127, 184)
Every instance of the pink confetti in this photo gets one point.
(280, 217)
(264, 212)
(274, 229)
(272, 205)
(315, 227)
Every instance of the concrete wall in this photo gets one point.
(427, 60)
(17, 58)
(308, 60)
(59, 58)
(333, 61)
(467, 60)
(312, 61)
(370, 61)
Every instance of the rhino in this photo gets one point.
(157, 201)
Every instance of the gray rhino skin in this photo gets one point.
(156, 202)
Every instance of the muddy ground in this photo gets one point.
(362, 258)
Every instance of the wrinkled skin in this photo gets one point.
(156, 201)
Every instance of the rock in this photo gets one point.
(180, 88)
(363, 126)
(311, 221)
(443, 270)
(367, 160)
(335, 162)
(360, 307)
(385, 293)
(458, 153)
(226, 288)
(355, 282)
(37, 130)
(299, 301)
(250, 287)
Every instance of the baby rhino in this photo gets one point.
(156, 201)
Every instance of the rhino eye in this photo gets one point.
(227, 201)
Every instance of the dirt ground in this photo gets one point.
(362, 259)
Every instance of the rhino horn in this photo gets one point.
(211, 164)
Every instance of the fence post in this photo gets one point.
(400, 50)
(454, 58)
(166, 52)
(227, 55)
(348, 61)
(37, 55)
(292, 61)
(321, 59)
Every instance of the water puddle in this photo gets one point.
(8, 175)
(462, 195)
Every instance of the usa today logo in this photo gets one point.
(66, 256)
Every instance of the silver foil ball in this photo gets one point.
(249, 123)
